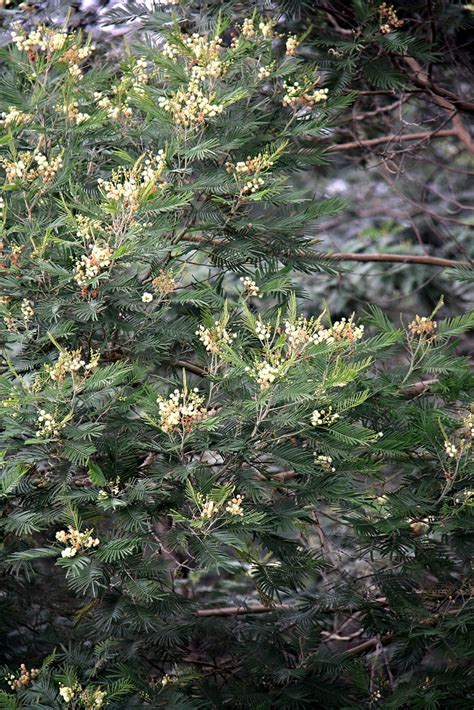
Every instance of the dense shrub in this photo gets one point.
(213, 494)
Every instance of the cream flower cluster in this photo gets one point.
(389, 18)
(182, 410)
(264, 28)
(343, 329)
(164, 283)
(298, 96)
(76, 541)
(14, 117)
(325, 462)
(422, 326)
(71, 110)
(251, 168)
(127, 185)
(74, 56)
(292, 44)
(90, 265)
(23, 168)
(47, 425)
(203, 53)
(450, 449)
(24, 679)
(93, 698)
(191, 107)
(234, 507)
(71, 362)
(27, 310)
(250, 287)
(214, 339)
(115, 110)
(265, 372)
(263, 331)
(264, 72)
(323, 417)
(44, 39)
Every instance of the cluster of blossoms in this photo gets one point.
(114, 489)
(76, 541)
(90, 265)
(91, 698)
(450, 449)
(164, 283)
(47, 425)
(14, 117)
(147, 297)
(211, 508)
(263, 331)
(191, 107)
(250, 287)
(24, 169)
(182, 410)
(301, 96)
(126, 186)
(264, 71)
(71, 110)
(214, 339)
(305, 331)
(325, 462)
(71, 362)
(422, 326)
(203, 54)
(234, 507)
(27, 310)
(24, 679)
(252, 168)
(292, 44)
(265, 372)
(323, 417)
(389, 18)
(115, 109)
(264, 28)
(74, 56)
(41, 39)
(341, 330)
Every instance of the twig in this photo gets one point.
(394, 138)
(241, 610)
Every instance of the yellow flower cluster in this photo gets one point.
(90, 265)
(341, 330)
(298, 96)
(292, 44)
(451, 449)
(312, 331)
(126, 186)
(252, 167)
(24, 679)
(23, 169)
(76, 541)
(119, 108)
(182, 410)
(422, 326)
(323, 417)
(14, 117)
(389, 18)
(44, 39)
(265, 372)
(27, 310)
(263, 28)
(71, 110)
(325, 462)
(250, 287)
(214, 339)
(93, 698)
(164, 283)
(47, 425)
(71, 362)
(201, 52)
(235, 506)
(191, 107)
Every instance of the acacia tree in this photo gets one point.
(214, 494)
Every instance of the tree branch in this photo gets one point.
(394, 138)
(241, 610)
(395, 258)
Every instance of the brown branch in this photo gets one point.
(241, 610)
(394, 138)
(395, 258)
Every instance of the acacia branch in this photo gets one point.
(241, 610)
(394, 138)
(395, 258)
